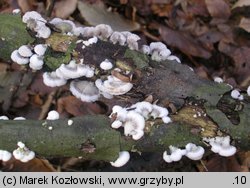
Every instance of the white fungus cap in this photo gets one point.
(118, 37)
(123, 158)
(4, 118)
(103, 31)
(221, 145)
(36, 62)
(25, 51)
(32, 15)
(70, 122)
(40, 49)
(116, 124)
(16, 57)
(106, 65)
(144, 108)
(16, 11)
(90, 41)
(173, 57)
(52, 80)
(131, 40)
(64, 26)
(113, 86)
(175, 154)
(121, 113)
(23, 154)
(166, 119)
(5, 155)
(134, 125)
(160, 55)
(218, 79)
(53, 115)
(248, 91)
(19, 118)
(235, 94)
(84, 90)
(159, 112)
(194, 152)
(157, 46)
(145, 49)
(43, 31)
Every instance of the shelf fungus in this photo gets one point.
(194, 152)
(52, 80)
(175, 154)
(22, 153)
(221, 145)
(84, 90)
(123, 158)
(5, 155)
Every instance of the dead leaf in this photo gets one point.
(245, 24)
(76, 107)
(241, 57)
(35, 165)
(26, 5)
(64, 8)
(241, 3)
(218, 9)
(183, 42)
(97, 13)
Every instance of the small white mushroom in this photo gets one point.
(235, 94)
(121, 113)
(70, 122)
(36, 62)
(172, 57)
(131, 40)
(5, 155)
(145, 49)
(116, 124)
(53, 115)
(134, 125)
(194, 152)
(52, 80)
(123, 158)
(16, 57)
(106, 65)
(118, 37)
(4, 118)
(166, 119)
(175, 154)
(16, 11)
(25, 51)
(144, 108)
(103, 31)
(40, 49)
(248, 91)
(43, 31)
(84, 90)
(32, 15)
(159, 112)
(113, 86)
(218, 79)
(19, 118)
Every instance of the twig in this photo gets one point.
(46, 106)
(50, 7)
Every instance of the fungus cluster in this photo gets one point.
(22, 153)
(16, 118)
(133, 118)
(26, 54)
(221, 145)
(191, 151)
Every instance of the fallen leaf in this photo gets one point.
(35, 165)
(64, 8)
(97, 13)
(241, 3)
(76, 107)
(218, 9)
(26, 5)
(241, 57)
(245, 24)
(183, 42)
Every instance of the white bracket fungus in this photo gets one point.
(194, 152)
(218, 79)
(248, 91)
(118, 37)
(40, 49)
(84, 90)
(123, 158)
(5, 155)
(52, 80)
(22, 153)
(19, 118)
(103, 31)
(175, 154)
(221, 145)
(25, 51)
(36, 62)
(53, 115)
(113, 86)
(16, 57)
(106, 65)
(4, 118)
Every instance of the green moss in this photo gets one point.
(13, 34)
(140, 60)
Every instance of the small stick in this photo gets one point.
(50, 7)
(46, 106)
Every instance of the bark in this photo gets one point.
(204, 109)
